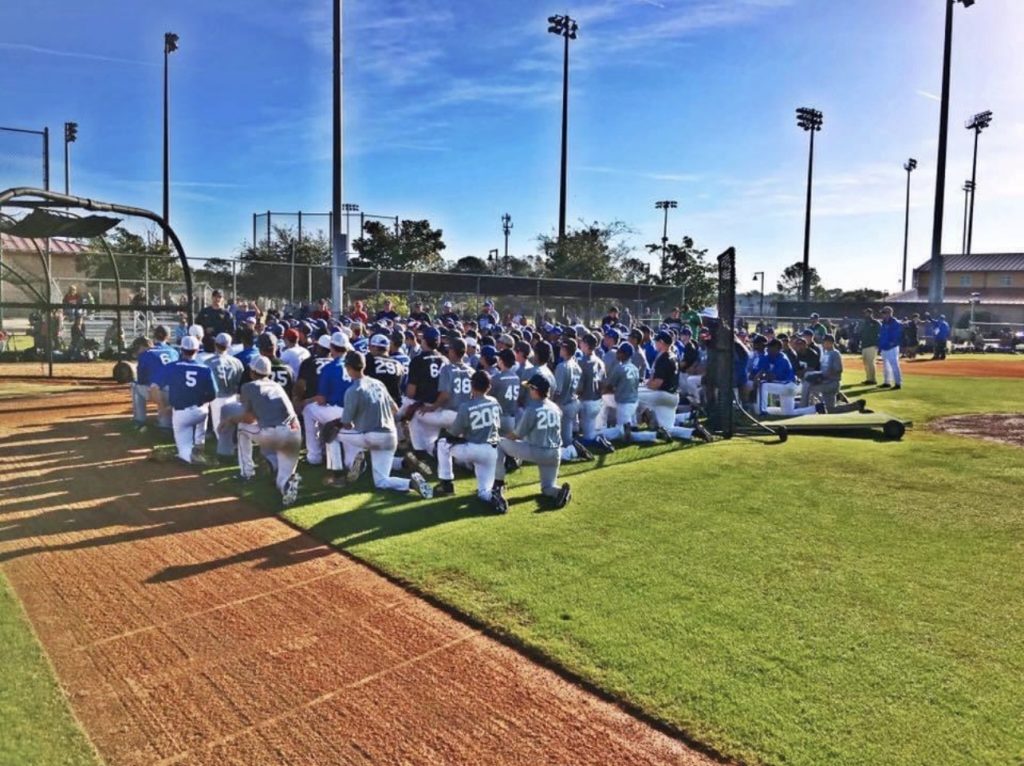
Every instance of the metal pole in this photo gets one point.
(398, 229)
(268, 229)
(937, 285)
(805, 288)
(67, 164)
(254, 232)
(906, 237)
(49, 267)
(234, 281)
(565, 139)
(300, 227)
(967, 199)
(339, 239)
(974, 193)
(664, 243)
(762, 295)
(292, 290)
(167, 183)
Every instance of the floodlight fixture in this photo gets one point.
(980, 121)
(170, 42)
(910, 165)
(564, 27)
(809, 119)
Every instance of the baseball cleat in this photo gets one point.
(291, 491)
(606, 445)
(356, 469)
(702, 433)
(444, 488)
(885, 385)
(664, 435)
(511, 464)
(420, 486)
(241, 478)
(897, 387)
(414, 464)
(198, 458)
(498, 501)
(336, 480)
(820, 408)
(564, 496)
(860, 404)
(581, 451)
(329, 431)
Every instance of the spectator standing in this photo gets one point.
(215, 318)
(942, 333)
(889, 346)
(869, 331)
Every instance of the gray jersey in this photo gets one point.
(567, 382)
(369, 407)
(478, 421)
(227, 374)
(525, 371)
(505, 388)
(624, 381)
(639, 361)
(541, 425)
(611, 361)
(268, 401)
(592, 377)
(831, 365)
(455, 380)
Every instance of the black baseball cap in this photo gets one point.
(539, 383)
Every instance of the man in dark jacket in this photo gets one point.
(869, 330)
(889, 345)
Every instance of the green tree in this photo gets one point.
(635, 270)
(592, 252)
(266, 270)
(128, 249)
(684, 265)
(417, 246)
(790, 282)
(470, 264)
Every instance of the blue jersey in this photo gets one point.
(246, 356)
(189, 384)
(152, 361)
(650, 352)
(361, 344)
(333, 383)
(779, 367)
(404, 359)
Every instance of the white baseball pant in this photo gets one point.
(787, 399)
(189, 427)
(140, 398)
(570, 414)
(590, 409)
(284, 442)
(607, 412)
(626, 417)
(546, 460)
(381, 445)
(662, 405)
(891, 372)
(425, 427)
(313, 416)
(219, 407)
(482, 458)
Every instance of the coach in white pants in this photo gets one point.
(889, 338)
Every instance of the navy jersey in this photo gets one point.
(667, 371)
(424, 372)
(309, 372)
(189, 384)
(152, 360)
(389, 371)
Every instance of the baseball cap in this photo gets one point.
(431, 334)
(266, 340)
(196, 331)
(291, 334)
(339, 340)
(260, 366)
(539, 383)
(611, 333)
(686, 331)
(490, 353)
(626, 349)
(807, 333)
(471, 342)
(188, 343)
(223, 340)
(380, 341)
(507, 340)
(324, 341)
(664, 337)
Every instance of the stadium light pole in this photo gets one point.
(811, 121)
(937, 285)
(339, 238)
(760, 274)
(910, 166)
(349, 209)
(566, 28)
(666, 205)
(506, 227)
(70, 136)
(977, 123)
(170, 45)
(968, 190)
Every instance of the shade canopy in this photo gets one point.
(40, 224)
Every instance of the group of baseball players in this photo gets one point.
(413, 397)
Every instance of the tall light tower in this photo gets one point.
(910, 166)
(977, 123)
(170, 46)
(937, 283)
(811, 121)
(70, 136)
(506, 227)
(968, 190)
(567, 29)
(339, 238)
(666, 205)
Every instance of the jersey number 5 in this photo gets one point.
(190, 378)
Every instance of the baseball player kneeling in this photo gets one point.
(268, 420)
(190, 389)
(477, 421)
(368, 425)
(537, 439)
(623, 384)
(661, 395)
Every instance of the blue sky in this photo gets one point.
(453, 113)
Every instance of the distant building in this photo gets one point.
(22, 259)
(998, 277)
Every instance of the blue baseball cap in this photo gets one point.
(490, 353)
(612, 333)
(626, 349)
(431, 334)
(664, 337)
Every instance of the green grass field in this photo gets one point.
(830, 600)
(36, 727)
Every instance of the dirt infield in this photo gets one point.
(998, 367)
(1007, 427)
(202, 632)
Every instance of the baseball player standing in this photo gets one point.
(477, 421)
(268, 420)
(190, 389)
(537, 439)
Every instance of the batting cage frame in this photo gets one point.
(51, 216)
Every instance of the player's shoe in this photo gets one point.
(606, 445)
(819, 408)
(329, 431)
(498, 501)
(702, 433)
(444, 488)
(662, 434)
(356, 469)
(335, 480)
(897, 387)
(291, 491)
(581, 451)
(512, 464)
(564, 496)
(198, 458)
(241, 478)
(414, 464)
(420, 486)
(885, 385)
